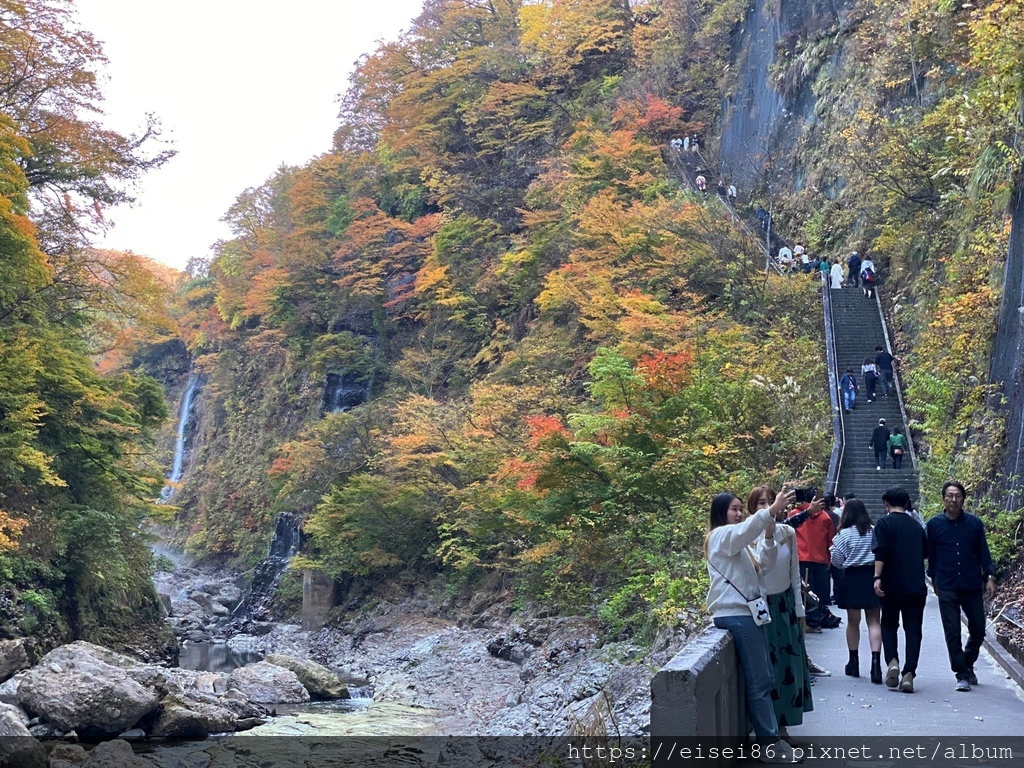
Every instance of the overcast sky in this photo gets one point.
(241, 86)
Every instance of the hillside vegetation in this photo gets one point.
(75, 476)
(550, 352)
(566, 351)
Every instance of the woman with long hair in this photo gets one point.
(851, 551)
(791, 696)
(736, 600)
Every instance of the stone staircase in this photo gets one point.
(857, 326)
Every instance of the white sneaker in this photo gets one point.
(779, 752)
(879, 469)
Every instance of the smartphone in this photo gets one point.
(805, 495)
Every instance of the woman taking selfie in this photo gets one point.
(791, 696)
(737, 602)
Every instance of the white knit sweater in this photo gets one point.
(730, 556)
(785, 573)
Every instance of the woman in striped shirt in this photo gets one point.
(851, 551)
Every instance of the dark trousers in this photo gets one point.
(869, 383)
(880, 458)
(816, 576)
(887, 381)
(837, 577)
(972, 603)
(912, 609)
(897, 460)
(853, 278)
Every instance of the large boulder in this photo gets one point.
(68, 756)
(184, 717)
(85, 687)
(17, 747)
(9, 689)
(13, 658)
(316, 678)
(115, 754)
(267, 683)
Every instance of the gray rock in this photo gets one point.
(228, 595)
(23, 752)
(135, 734)
(115, 754)
(191, 718)
(13, 658)
(84, 686)
(266, 683)
(12, 722)
(185, 607)
(67, 756)
(13, 712)
(43, 731)
(316, 678)
(9, 689)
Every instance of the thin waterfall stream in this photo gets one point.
(179, 444)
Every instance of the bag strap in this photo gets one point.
(747, 599)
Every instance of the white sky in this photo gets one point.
(241, 86)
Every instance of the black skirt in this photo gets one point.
(857, 589)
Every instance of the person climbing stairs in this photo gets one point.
(858, 330)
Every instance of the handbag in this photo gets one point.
(758, 606)
(897, 451)
(811, 600)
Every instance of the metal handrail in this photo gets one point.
(896, 383)
(677, 161)
(835, 461)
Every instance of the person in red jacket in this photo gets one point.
(813, 540)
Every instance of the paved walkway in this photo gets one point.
(846, 706)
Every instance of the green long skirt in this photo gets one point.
(791, 696)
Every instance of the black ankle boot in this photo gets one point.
(853, 665)
(876, 669)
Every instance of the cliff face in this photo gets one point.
(1008, 356)
(770, 103)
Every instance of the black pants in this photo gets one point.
(880, 458)
(972, 603)
(853, 278)
(869, 384)
(816, 576)
(912, 609)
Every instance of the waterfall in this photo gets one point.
(179, 445)
(341, 395)
(286, 542)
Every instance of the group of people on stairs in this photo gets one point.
(758, 587)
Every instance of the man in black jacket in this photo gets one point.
(853, 276)
(961, 570)
(880, 442)
(884, 362)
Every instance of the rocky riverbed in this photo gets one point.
(424, 665)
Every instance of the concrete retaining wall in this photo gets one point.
(317, 599)
(700, 692)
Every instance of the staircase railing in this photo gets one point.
(899, 387)
(838, 424)
(676, 158)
